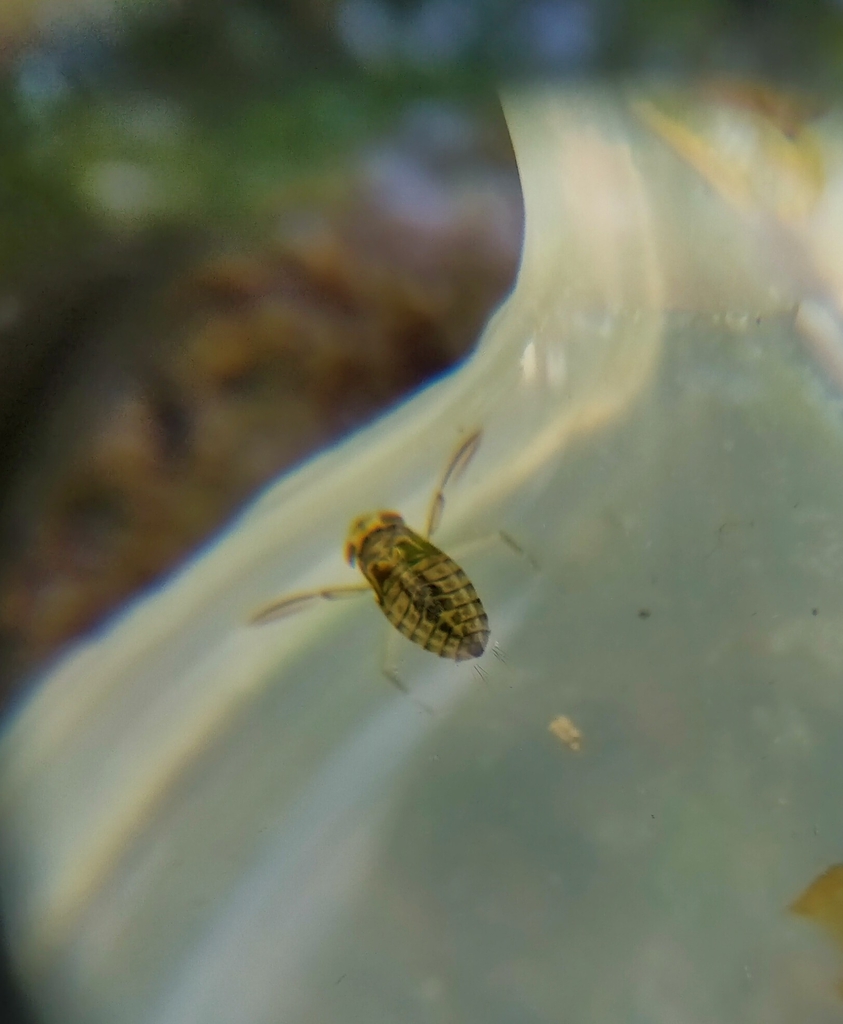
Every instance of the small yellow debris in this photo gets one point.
(564, 729)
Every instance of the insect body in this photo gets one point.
(424, 594)
(422, 591)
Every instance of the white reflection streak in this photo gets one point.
(529, 363)
(608, 212)
(820, 324)
(132, 778)
(544, 364)
(256, 955)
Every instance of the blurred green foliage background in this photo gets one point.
(219, 102)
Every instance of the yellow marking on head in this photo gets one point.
(362, 527)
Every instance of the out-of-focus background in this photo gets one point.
(232, 232)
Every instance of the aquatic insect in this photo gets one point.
(422, 591)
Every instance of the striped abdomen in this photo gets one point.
(425, 594)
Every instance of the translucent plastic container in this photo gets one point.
(210, 822)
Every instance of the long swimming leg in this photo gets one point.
(293, 603)
(453, 471)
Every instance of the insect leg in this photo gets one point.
(498, 537)
(389, 660)
(455, 468)
(513, 545)
(293, 603)
(389, 667)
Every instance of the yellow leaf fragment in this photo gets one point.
(822, 902)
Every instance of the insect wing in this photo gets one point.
(413, 549)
